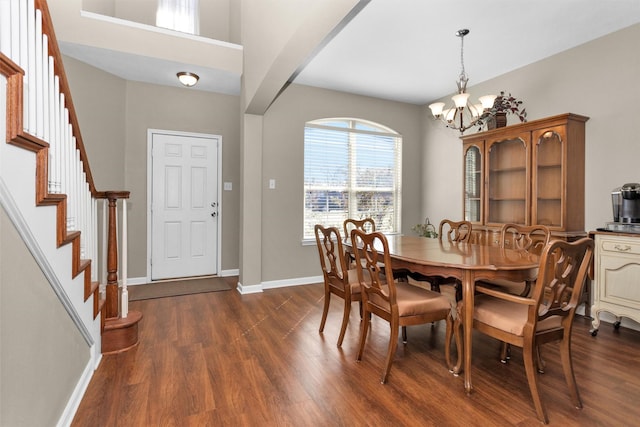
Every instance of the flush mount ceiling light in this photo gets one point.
(476, 115)
(188, 79)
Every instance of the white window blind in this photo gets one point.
(352, 169)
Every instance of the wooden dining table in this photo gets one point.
(464, 261)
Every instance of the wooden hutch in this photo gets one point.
(529, 173)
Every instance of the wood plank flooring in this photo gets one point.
(225, 359)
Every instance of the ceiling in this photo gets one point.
(406, 50)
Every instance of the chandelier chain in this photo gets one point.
(462, 72)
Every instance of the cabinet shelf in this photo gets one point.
(511, 169)
(507, 199)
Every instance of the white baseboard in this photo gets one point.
(283, 283)
(273, 284)
(81, 387)
(253, 289)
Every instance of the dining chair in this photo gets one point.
(532, 239)
(366, 224)
(399, 303)
(546, 315)
(456, 231)
(338, 279)
(452, 232)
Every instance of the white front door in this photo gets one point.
(184, 205)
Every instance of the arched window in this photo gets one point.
(352, 169)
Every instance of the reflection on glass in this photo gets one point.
(507, 181)
(472, 183)
(549, 179)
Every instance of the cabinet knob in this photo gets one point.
(622, 248)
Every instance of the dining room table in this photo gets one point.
(467, 262)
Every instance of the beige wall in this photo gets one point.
(100, 112)
(42, 355)
(283, 256)
(599, 80)
(114, 116)
(160, 107)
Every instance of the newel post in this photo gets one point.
(120, 331)
(112, 294)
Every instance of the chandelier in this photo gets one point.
(463, 115)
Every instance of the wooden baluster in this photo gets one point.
(125, 292)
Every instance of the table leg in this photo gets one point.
(467, 298)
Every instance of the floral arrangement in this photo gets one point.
(426, 230)
(510, 105)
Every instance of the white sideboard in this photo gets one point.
(616, 287)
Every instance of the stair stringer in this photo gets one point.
(18, 174)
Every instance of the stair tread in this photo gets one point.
(123, 322)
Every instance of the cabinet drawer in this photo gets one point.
(620, 246)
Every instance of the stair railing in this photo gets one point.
(41, 118)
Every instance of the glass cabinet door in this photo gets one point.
(473, 183)
(548, 177)
(508, 181)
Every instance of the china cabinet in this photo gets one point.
(530, 173)
(617, 267)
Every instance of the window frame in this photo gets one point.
(354, 128)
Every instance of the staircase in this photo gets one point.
(41, 119)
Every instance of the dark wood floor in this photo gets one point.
(224, 359)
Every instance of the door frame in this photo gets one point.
(150, 133)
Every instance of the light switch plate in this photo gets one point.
(228, 186)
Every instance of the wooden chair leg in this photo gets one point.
(539, 361)
(404, 334)
(364, 330)
(345, 320)
(457, 333)
(505, 352)
(567, 367)
(532, 378)
(325, 310)
(393, 344)
(449, 334)
(458, 289)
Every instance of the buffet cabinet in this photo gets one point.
(616, 270)
(531, 173)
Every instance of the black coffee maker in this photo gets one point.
(626, 203)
